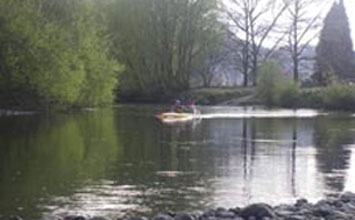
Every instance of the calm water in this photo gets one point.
(117, 161)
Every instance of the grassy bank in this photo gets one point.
(333, 97)
(214, 96)
(202, 96)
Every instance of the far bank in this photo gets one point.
(338, 97)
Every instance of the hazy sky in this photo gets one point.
(350, 10)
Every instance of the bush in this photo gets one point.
(66, 64)
(274, 88)
(340, 97)
(312, 97)
(288, 94)
(209, 96)
(268, 74)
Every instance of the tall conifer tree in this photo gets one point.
(335, 53)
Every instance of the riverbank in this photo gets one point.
(339, 208)
(334, 97)
(203, 96)
(337, 97)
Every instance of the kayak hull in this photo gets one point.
(171, 117)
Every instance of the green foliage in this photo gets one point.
(269, 75)
(101, 71)
(208, 96)
(63, 146)
(288, 94)
(50, 62)
(334, 53)
(340, 97)
(324, 78)
(162, 43)
(312, 97)
(274, 88)
(335, 97)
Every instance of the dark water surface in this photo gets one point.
(122, 160)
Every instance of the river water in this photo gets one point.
(120, 161)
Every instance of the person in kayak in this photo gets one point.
(177, 107)
(192, 107)
(189, 107)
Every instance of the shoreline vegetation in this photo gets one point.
(89, 53)
(341, 207)
(338, 97)
(273, 89)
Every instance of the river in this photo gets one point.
(122, 160)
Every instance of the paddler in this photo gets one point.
(177, 107)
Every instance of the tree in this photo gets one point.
(302, 30)
(58, 59)
(334, 53)
(213, 53)
(252, 23)
(162, 43)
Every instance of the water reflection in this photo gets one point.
(118, 161)
(42, 156)
(332, 138)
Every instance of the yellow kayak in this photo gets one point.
(175, 117)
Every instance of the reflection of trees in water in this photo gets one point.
(130, 149)
(239, 142)
(331, 137)
(270, 136)
(222, 149)
(274, 149)
(248, 146)
(293, 158)
(234, 149)
(163, 161)
(44, 156)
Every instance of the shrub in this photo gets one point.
(274, 88)
(210, 96)
(288, 94)
(268, 76)
(312, 97)
(340, 97)
(66, 64)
